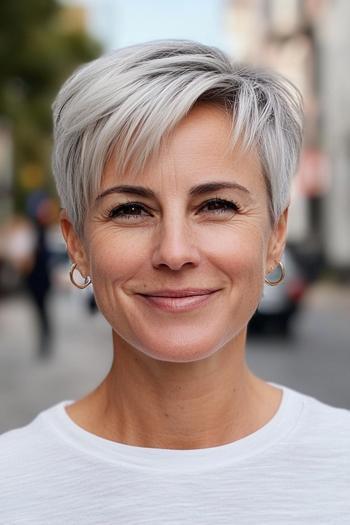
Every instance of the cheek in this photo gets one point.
(240, 255)
(116, 256)
(239, 251)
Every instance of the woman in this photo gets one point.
(174, 167)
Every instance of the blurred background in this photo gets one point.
(54, 345)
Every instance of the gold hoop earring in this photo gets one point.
(86, 282)
(281, 277)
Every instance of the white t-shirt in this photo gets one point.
(293, 470)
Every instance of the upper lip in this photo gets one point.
(186, 292)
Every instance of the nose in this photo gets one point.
(175, 246)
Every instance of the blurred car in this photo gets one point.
(280, 303)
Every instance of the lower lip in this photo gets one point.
(178, 304)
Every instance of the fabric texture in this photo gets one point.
(293, 470)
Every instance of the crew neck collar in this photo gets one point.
(283, 421)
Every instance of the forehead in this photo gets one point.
(198, 150)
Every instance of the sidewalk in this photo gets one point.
(81, 356)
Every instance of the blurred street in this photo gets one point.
(316, 360)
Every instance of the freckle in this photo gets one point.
(166, 414)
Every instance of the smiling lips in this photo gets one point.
(178, 300)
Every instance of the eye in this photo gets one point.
(129, 212)
(219, 207)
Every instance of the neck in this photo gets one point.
(149, 403)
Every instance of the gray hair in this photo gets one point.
(128, 101)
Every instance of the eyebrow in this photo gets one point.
(147, 193)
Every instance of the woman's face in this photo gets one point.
(194, 224)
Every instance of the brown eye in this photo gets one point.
(219, 206)
(129, 211)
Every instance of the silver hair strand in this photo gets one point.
(126, 102)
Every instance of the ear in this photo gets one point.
(277, 242)
(75, 246)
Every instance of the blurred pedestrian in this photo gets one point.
(16, 246)
(38, 275)
(25, 246)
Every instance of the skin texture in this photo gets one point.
(179, 379)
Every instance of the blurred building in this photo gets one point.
(307, 41)
(335, 76)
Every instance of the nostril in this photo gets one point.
(172, 263)
(176, 256)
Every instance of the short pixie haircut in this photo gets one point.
(127, 102)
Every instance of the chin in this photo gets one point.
(178, 354)
(187, 349)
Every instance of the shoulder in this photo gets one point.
(323, 426)
(32, 459)
(30, 447)
(323, 414)
(20, 443)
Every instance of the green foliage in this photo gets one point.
(37, 53)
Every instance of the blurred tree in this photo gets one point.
(41, 43)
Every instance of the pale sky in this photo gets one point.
(122, 22)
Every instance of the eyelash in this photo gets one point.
(227, 205)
